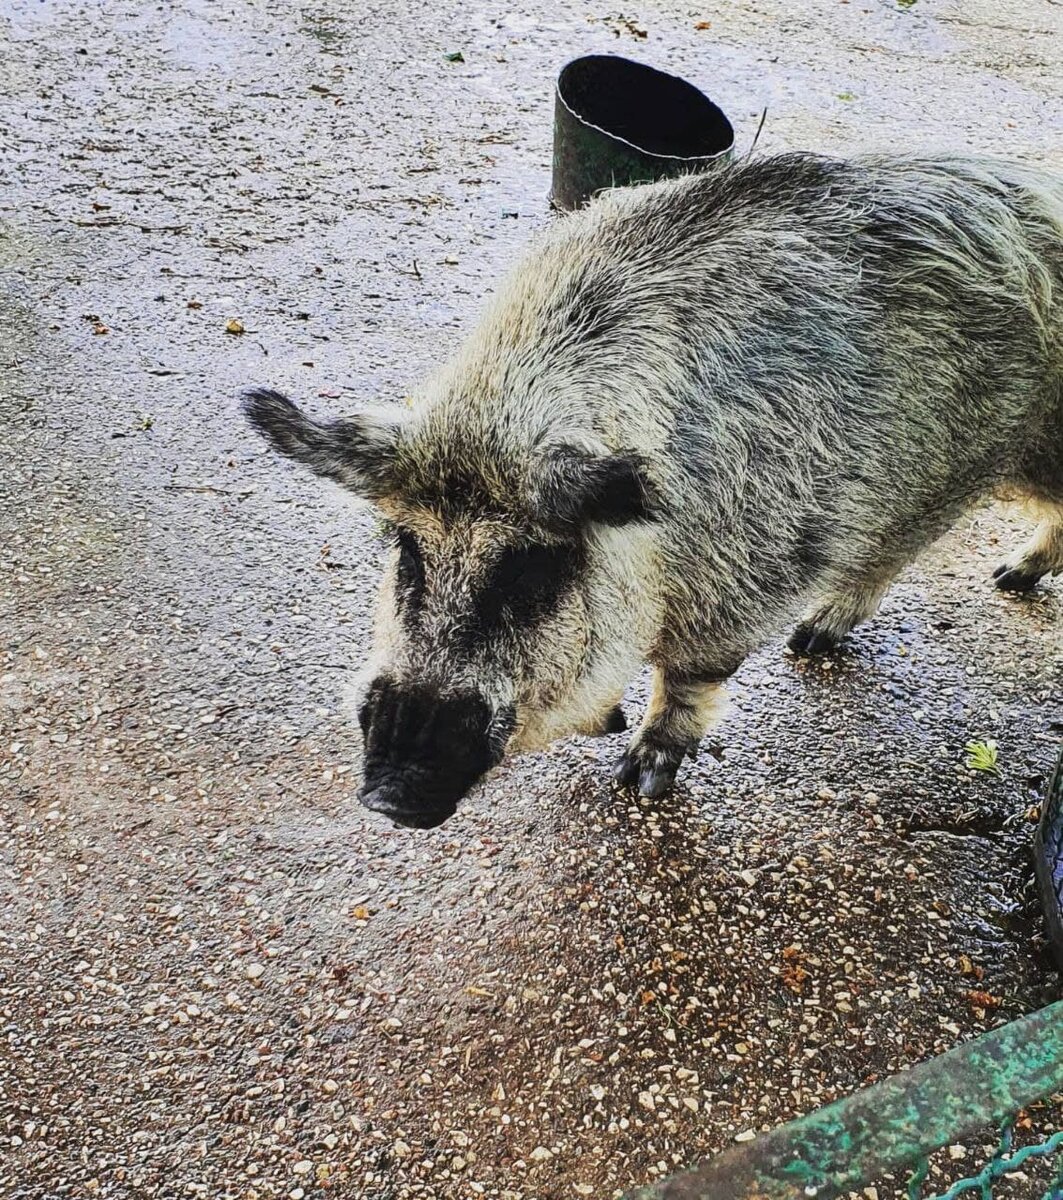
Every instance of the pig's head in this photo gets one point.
(511, 609)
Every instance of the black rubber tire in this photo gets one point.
(1048, 860)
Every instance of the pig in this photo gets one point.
(698, 410)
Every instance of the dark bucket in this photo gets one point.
(618, 122)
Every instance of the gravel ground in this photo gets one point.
(218, 977)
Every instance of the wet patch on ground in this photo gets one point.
(217, 976)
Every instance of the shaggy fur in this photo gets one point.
(719, 400)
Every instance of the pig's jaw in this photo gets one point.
(586, 706)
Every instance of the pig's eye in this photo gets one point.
(411, 567)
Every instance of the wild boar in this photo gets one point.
(696, 408)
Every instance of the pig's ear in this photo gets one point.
(573, 486)
(357, 452)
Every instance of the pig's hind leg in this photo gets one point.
(836, 614)
(681, 709)
(614, 721)
(1042, 555)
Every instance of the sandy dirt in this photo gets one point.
(218, 976)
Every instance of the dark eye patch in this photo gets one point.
(410, 576)
(524, 585)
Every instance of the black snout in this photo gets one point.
(394, 802)
(424, 751)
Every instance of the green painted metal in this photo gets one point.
(899, 1121)
(1005, 1162)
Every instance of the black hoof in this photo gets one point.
(1014, 579)
(653, 768)
(807, 639)
(627, 770)
(655, 781)
(615, 722)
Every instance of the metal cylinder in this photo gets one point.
(618, 122)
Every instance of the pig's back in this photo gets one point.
(880, 298)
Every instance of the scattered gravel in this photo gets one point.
(218, 977)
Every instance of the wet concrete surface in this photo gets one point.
(218, 977)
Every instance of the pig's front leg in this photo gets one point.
(682, 707)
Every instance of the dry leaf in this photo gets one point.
(99, 327)
(234, 326)
(969, 968)
(360, 912)
(703, 25)
(983, 1000)
(794, 977)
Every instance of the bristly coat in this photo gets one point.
(695, 409)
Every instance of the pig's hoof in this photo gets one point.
(615, 722)
(1015, 579)
(652, 767)
(807, 639)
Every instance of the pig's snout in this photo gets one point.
(424, 750)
